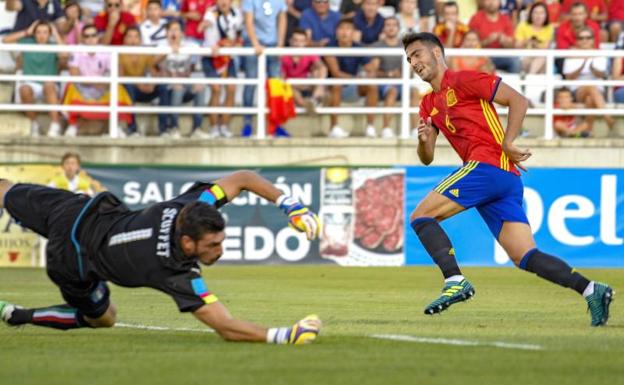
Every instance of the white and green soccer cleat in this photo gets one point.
(598, 304)
(6, 311)
(452, 292)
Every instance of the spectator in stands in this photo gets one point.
(408, 17)
(588, 68)
(179, 65)
(113, 23)
(193, 14)
(495, 30)
(617, 73)
(597, 9)
(427, 12)
(568, 30)
(450, 30)
(320, 23)
(615, 18)
(29, 11)
(345, 67)
(304, 67)
(222, 27)
(153, 27)
(71, 179)
(389, 67)
(471, 63)
(171, 9)
(74, 24)
(265, 26)
(568, 126)
(535, 33)
(134, 65)
(295, 9)
(368, 23)
(39, 63)
(90, 64)
(554, 11)
(348, 8)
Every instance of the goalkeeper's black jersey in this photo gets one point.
(138, 248)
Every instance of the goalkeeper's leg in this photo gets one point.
(62, 317)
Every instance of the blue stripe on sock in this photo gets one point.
(526, 257)
(421, 220)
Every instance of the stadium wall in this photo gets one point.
(574, 212)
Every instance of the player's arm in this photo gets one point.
(216, 316)
(299, 216)
(518, 105)
(427, 136)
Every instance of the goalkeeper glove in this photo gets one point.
(302, 332)
(300, 217)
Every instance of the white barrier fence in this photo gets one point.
(407, 81)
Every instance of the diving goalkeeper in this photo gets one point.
(94, 240)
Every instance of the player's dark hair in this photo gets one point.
(530, 17)
(423, 37)
(68, 155)
(198, 218)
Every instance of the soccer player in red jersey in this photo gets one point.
(460, 107)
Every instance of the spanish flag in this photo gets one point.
(74, 97)
(280, 103)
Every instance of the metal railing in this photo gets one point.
(406, 81)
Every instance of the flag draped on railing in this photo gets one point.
(280, 103)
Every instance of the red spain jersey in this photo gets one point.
(463, 111)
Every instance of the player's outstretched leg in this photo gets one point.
(436, 242)
(63, 317)
(598, 295)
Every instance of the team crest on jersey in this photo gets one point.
(451, 99)
(434, 112)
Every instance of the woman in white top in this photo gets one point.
(408, 17)
(588, 68)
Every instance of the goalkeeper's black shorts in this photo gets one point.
(53, 214)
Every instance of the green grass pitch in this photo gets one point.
(510, 306)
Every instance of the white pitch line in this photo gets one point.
(160, 328)
(394, 337)
(447, 341)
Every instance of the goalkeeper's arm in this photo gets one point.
(299, 216)
(218, 318)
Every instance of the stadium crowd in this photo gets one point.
(522, 24)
